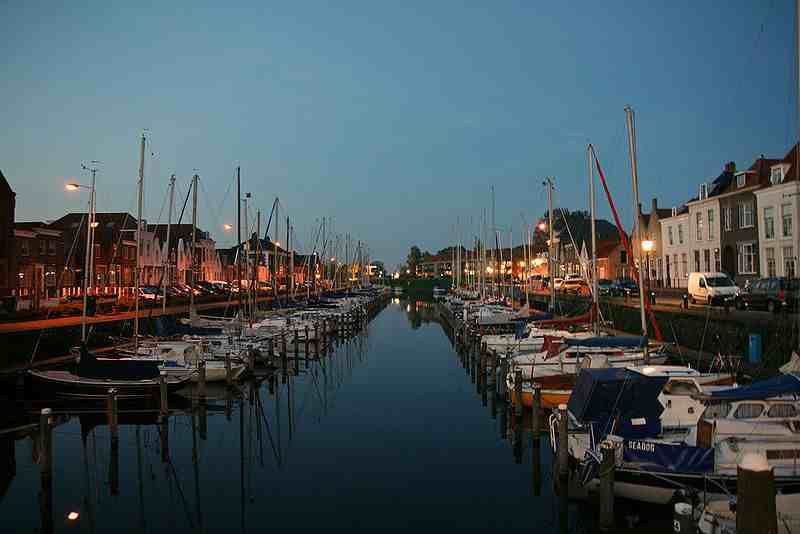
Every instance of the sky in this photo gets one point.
(391, 118)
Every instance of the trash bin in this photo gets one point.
(754, 348)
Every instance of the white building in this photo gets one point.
(778, 205)
(704, 229)
(675, 247)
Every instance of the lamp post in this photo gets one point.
(648, 246)
(89, 255)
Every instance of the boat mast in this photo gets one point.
(239, 235)
(195, 178)
(595, 297)
(550, 244)
(291, 261)
(167, 279)
(138, 248)
(244, 310)
(630, 119)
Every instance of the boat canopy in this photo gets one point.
(777, 386)
(608, 341)
(618, 400)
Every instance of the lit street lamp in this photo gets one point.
(648, 246)
(90, 226)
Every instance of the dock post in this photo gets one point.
(607, 465)
(518, 392)
(563, 442)
(536, 464)
(164, 438)
(502, 385)
(162, 383)
(296, 348)
(536, 407)
(271, 346)
(251, 359)
(46, 470)
(682, 519)
(306, 340)
(316, 338)
(283, 343)
(201, 380)
(228, 369)
(755, 496)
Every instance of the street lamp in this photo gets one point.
(90, 226)
(227, 227)
(648, 246)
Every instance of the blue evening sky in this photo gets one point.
(391, 117)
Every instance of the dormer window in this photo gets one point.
(703, 191)
(741, 180)
(776, 175)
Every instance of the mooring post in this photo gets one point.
(46, 470)
(502, 384)
(271, 346)
(164, 438)
(755, 496)
(162, 384)
(607, 465)
(536, 464)
(563, 442)
(536, 406)
(306, 340)
(682, 519)
(228, 370)
(316, 338)
(201, 380)
(518, 392)
(283, 343)
(251, 359)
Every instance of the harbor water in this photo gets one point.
(389, 430)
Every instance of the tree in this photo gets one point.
(414, 255)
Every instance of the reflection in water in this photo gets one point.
(384, 423)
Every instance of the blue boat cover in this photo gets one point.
(519, 330)
(608, 341)
(667, 457)
(618, 400)
(788, 384)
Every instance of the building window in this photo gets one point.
(97, 251)
(717, 263)
(786, 218)
(741, 180)
(24, 248)
(699, 225)
(697, 261)
(680, 234)
(669, 232)
(769, 222)
(727, 216)
(788, 261)
(51, 247)
(675, 266)
(711, 224)
(776, 175)
(746, 258)
(685, 264)
(707, 259)
(42, 247)
(745, 214)
(770, 252)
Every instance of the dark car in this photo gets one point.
(771, 294)
(605, 286)
(626, 287)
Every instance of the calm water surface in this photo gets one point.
(389, 431)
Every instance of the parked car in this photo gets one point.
(150, 293)
(711, 288)
(626, 287)
(577, 286)
(557, 283)
(605, 287)
(771, 294)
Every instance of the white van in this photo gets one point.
(711, 288)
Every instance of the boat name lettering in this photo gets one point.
(642, 446)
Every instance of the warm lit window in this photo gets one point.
(770, 253)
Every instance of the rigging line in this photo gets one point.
(269, 434)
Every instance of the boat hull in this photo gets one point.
(65, 384)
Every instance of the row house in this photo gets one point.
(40, 262)
(675, 247)
(740, 225)
(179, 257)
(654, 273)
(8, 267)
(777, 202)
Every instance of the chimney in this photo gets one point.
(730, 167)
(674, 211)
(655, 205)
